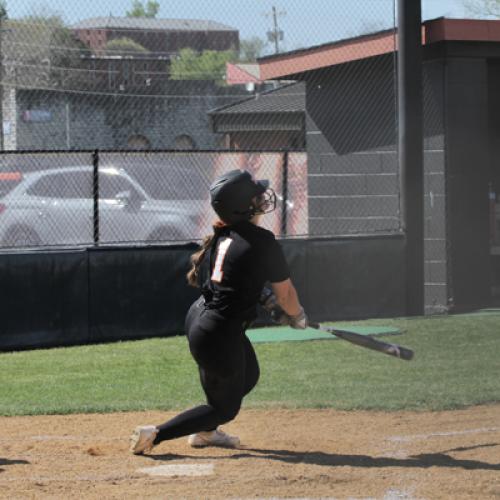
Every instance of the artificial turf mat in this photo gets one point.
(285, 334)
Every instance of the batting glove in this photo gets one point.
(299, 321)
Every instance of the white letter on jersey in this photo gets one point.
(221, 254)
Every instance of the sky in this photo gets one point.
(304, 22)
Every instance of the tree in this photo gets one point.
(251, 49)
(40, 51)
(148, 9)
(3, 10)
(209, 65)
(124, 45)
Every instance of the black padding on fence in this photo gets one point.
(139, 292)
(105, 294)
(43, 299)
(349, 278)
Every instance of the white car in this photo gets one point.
(56, 207)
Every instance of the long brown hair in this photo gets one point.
(197, 257)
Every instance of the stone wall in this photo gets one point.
(53, 120)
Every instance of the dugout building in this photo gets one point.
(351, 144)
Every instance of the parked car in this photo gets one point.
(55, 207)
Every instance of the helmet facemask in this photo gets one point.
(266, 202)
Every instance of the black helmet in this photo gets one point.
(232, 195)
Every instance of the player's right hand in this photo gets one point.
(299, 321)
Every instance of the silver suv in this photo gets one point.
(55, 207)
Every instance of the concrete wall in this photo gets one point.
(353, 162)
(9, 109)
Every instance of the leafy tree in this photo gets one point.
(251, 49)
(209, 65)
(148, 9)
(124, 45)
(40, 52)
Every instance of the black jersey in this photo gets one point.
(242, 258)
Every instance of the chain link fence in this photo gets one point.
(117, 116)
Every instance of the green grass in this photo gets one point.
(456, 364)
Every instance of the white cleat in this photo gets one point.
(142, 439)
(213, 438)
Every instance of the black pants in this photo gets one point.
(228, 371)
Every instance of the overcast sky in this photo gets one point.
(304, 22)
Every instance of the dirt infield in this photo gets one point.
(288, 454)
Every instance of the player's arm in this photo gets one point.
(286, 297)
(287, 309)
(284, 294)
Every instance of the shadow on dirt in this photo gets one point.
(6, 461)
(333, 460)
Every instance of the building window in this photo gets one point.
(138, 142)
(184, 142)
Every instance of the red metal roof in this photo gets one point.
(237, 74)
(384, 42)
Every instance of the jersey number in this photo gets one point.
(217, 273)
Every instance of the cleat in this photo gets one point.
(142, 439)
(213, 438)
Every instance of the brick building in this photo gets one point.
(163, 37)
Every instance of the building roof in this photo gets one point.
(143, 23)
(374, 44)
(241, 73)
(286, 99)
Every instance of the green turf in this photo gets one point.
(456, 364)
(287, 334)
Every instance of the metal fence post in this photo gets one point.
(284, 190)
(410, 146)
(95, 195)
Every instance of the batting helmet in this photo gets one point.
(233, 194)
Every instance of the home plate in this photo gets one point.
(179, 470)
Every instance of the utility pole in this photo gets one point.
(276, 35)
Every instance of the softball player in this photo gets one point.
(231, 269)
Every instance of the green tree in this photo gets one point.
(209, 65)
(482, 8)
(251, 49)
(40, 51)
(124, 45)
(147, 9)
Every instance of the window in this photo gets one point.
(111, 184)
(138, 142)
(72, 185)
(184, 142)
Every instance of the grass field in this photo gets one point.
(456, 364)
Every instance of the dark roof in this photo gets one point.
(143, 23)
(286, 99)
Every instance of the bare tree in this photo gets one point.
(251, 49)
(482, 8)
